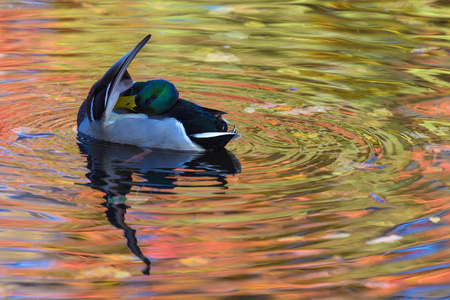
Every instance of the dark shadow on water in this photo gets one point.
(112, 167)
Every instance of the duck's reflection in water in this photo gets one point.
(112, 166)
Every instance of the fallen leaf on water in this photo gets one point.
(288, 71)
(269, 105)
(221, 57)
(381, 112)
(195, 261)
(384, 239)
(104, 272)
(291, 239)
(308, 110)
(424, 50)
(232, 35)
(249, 110)
(435, 220)
(24, 133)
(337, 235)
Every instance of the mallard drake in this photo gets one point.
(149, 114)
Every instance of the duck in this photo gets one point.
(149, 114)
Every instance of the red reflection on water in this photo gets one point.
(438, 107)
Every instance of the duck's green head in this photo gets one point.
(152, 97)
(156, 97)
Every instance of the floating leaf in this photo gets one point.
(249, 110)
(291, 239)
(221, 57)
(384, 239)
(435, 220)
(104, 272)
(337, 235)
(288, 71)
(231, 36)
(381, 112)
(195, 261)
(24, 135)
(424, 50)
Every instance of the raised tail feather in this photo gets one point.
(104, 93)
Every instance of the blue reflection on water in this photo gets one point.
(30, 264)
(425, 292)
(420, 250)
(425, 269)
(418, 225)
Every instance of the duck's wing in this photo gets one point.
(196, 118)
(216, 113)
(204, 126)
(104, 93)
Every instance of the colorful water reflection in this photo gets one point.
(337, 190)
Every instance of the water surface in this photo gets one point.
(337, 190)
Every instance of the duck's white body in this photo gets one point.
(140, 130)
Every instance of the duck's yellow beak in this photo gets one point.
(126, 102)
